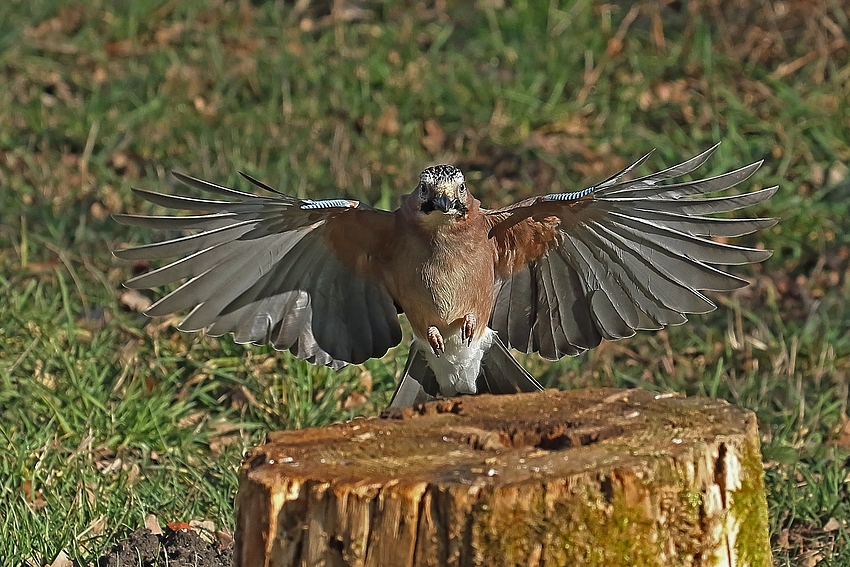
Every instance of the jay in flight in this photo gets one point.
(553, 274)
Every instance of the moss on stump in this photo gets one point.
(590, 477)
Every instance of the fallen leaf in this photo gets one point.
(816, 174)
(831, 525)
(133, 474)
(836, 173)
(62, 560)
(434, 137)
(135, 301)
(675, 92)
(354, 401)
(207, 525)
(224, 537)
(119, 48)
(365, 380)
(222, 442)
(204, 528)
(98, 211)
(844, 435)
(388, 121)
(33, 497)
(782, 541)
(97, 526)
(107, 466)
(811, 558)
(152, 524)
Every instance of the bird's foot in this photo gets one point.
(467, 329)
(435, 339)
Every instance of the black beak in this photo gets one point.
(442, 203)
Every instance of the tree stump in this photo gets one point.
(592, 477)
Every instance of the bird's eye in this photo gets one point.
(462, 189)
(423, 191)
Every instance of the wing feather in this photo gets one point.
(544, 327)
(642, 190)
(623, 255)
(194, 222)
(302, 275)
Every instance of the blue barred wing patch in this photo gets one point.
(574, 196)
(310, 205)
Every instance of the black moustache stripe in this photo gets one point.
(428, 206)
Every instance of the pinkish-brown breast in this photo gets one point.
(442, 273)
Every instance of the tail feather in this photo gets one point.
(418, 383)
(500, 374)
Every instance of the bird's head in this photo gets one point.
(442, 191)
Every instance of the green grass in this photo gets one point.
(106, 416)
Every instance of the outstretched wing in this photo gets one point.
(574, 268)
(302, 275)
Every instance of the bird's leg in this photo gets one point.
(467, 329)
(435, 339)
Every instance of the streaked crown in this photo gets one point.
(441, 175)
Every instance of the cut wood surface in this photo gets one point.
(586, 477)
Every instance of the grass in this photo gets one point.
(106, 417)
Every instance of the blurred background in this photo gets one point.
(107, 417)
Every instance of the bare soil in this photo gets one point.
(175, 548)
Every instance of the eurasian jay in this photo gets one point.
(553, 274)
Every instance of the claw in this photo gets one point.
(435, 339)
(468, 328)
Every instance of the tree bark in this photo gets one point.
(590, 477)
